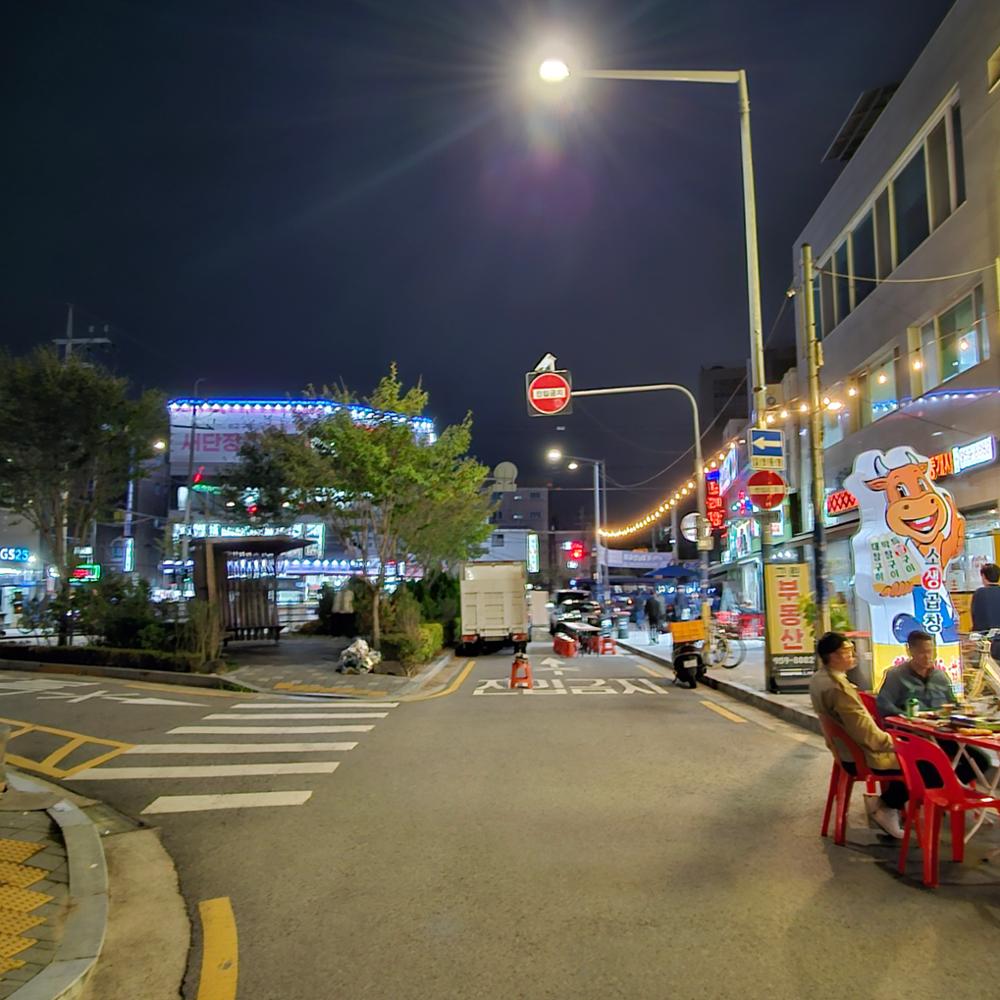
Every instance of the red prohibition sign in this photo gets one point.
(549, 393)
(766, 489)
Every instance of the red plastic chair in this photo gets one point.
(868, 700)
(841, 781)
(952, 798)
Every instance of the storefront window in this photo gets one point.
(833, 427)
(958, 331)
(963, 572)
(882, 389)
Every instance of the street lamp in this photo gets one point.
(553, 71)
(555, 455)
(557, 71)
(159, 444)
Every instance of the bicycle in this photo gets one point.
(987, 671)
(725, 646)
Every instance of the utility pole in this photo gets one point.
(814, 359)
(68, 342)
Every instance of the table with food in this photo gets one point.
(963, 727)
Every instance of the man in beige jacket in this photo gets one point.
(834, 697)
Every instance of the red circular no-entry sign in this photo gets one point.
(549, 393)
(766, 489)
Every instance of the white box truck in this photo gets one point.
(494, 606)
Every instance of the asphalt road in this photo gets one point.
(607, 835)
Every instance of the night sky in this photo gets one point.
(270, 194)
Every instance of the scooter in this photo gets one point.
(689, 666)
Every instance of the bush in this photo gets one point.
(101, 656)
(414, 650)
(439, 596)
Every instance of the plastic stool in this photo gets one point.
(520, 672)
(606, 645)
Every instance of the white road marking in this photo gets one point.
(181, 748)
(301, 715)
(264, 730)
(205, 771)
(126, 700)
(318, 703)
(230, 800)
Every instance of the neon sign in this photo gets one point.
(14, 553)
(715, 510)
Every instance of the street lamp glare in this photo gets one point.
(554, 455)
(573, 466)
(553, 71)
(160, 444)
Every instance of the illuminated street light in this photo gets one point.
(159, 444)
(553, 71)
(554, 455)
(573, 466)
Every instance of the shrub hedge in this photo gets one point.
(414, 650)
(101, 656)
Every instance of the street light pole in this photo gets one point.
(739, 79)
(186, 537)
(699, 467)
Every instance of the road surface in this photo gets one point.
(606, 835)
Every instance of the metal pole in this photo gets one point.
(597, 531)
(753, 262)
(604, 524)
(186, 536)
(815, 362)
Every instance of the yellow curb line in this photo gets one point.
(651, 671)
(220, 950)
(450, 689)
(724, 712)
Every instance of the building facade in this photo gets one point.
(907, 246)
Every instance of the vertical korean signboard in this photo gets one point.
(910, 531)
(790, 640)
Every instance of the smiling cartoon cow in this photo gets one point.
(918, 510)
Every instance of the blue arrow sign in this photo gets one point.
(767, 448)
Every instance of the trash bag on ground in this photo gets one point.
(358, 658)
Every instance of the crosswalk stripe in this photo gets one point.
(300, 715)
(313, 702)
(225, 800)
(179, 748)
(264, 730)
(205, 771)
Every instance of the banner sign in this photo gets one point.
(790, 640)
(910, 531)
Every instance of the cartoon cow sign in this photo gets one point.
(910, 531)
(917, 510)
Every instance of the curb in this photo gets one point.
(765, 702)
(125, 673)
(87, 920)
(432, 670)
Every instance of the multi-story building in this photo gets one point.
(907, 245)
(523, 507)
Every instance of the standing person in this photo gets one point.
(986, 605)
(834, 697)
(653, 617)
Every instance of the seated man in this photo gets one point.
(834, 697)
(917, 678)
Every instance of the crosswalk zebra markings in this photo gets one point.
(225, 800)
(205, 771)
(185, 748)
(300, 715)
(264, 730)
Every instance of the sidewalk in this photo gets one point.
(307, 665)
(745, 682)
(53, 892)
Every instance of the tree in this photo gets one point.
(70, 439)
(389, 493)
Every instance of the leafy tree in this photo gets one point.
(389, 494)
(70, 439)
